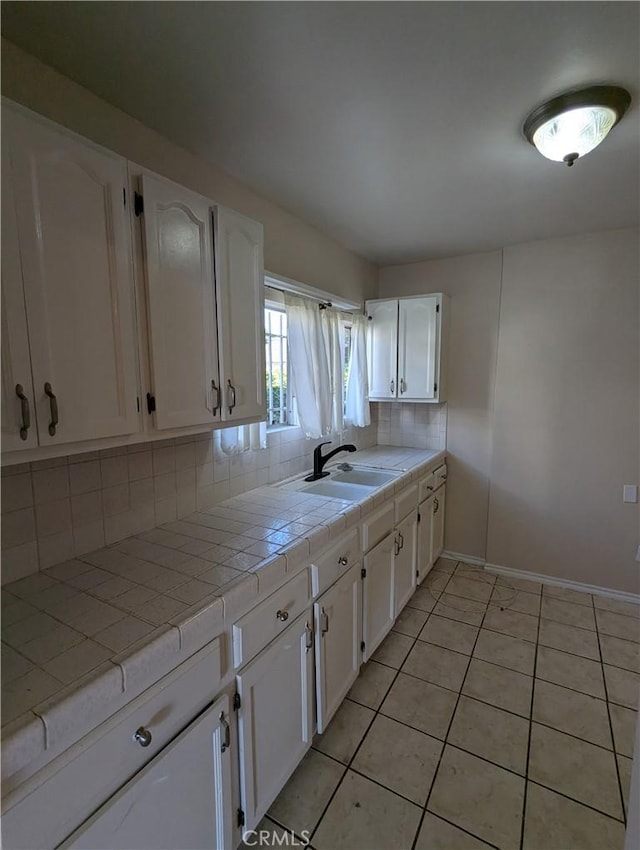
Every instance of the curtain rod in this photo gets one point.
(328, 299)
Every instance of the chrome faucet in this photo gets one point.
(319, 460)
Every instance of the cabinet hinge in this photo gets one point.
(437, 308)
(124, 196)
(138, 403)
(138, 203)
(237, 701)
(240, 817)
(151, 403)
(419, 516)
(363, 573)
(362, 646)
(435, 388)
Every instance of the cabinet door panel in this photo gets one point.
(378, 609)
(76, 254)
(417, 348)
(16, 360)
(338, 632)
(438, 522)
(240, 299)
(182, 798)
(404, 562)
(182, 313)
(276, 717)
(382, 348)
(425, 543)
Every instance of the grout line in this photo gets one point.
(613, 740)
(526, 769)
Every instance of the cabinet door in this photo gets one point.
(338, 632)
(181, 296)
(19, 429)
(425, 543)
(240, 299)
(438, 522)
(378, 611)
(182, 798)
(382, 348)
(417, 348)
(75, 243)
(276, 716)
(404, 561)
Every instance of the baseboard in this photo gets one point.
(509, 572)
(622, 595)
(467, 559)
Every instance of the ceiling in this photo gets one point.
(393, 127)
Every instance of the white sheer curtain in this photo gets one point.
(242, 438)
(308, 371)
(357, 406)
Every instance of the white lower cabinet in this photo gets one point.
(404, 561)
(438, 523)
(377, 605)
(182, 798)
(275, 716)
(424, 560)
(338, 635)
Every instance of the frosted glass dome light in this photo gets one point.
(569, 126)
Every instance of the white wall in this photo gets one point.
(292, 248)
(566, 426)
(551, 330)
(473, 282)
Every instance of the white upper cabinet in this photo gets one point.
(183, 345)
(75, 249)
(240, 300)
(18, 416)
(382, 348)
(406, 348)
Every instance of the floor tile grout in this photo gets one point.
(526, 770)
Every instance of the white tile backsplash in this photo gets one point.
(55, 509)
(418, 426)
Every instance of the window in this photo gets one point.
(275, 334)
(280, 404)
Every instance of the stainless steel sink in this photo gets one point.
(352, 484)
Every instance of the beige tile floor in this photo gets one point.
(491, 716)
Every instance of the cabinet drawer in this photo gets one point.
(405, 502)
(334, 562)
(83, 777)
(426, 487)
(440, 475)
(377, 526)
(265, 622)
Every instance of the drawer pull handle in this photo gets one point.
(26, 418)
(343, 561)
(142, 736)
(324, 622)
(283, 616)
(53, 404)
(226, 741)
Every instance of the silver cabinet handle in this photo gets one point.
(436, 505)
(343, 560)
(429, 487)
(283, 616)
(443, 477)
(401, 536)
(392, 387)
(403, 386)
(24, 406)
(216, 390)
(226, 741)
(324, 622)
(308, 634)
(231, 389)
(53, 405)
(142, 736)
(397, 546)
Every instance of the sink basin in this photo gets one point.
(337, 489)
(368, 477)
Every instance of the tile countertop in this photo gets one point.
(83, 638)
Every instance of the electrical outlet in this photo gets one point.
(638, 554)
(630, 493)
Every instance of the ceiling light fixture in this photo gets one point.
(571, 125)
